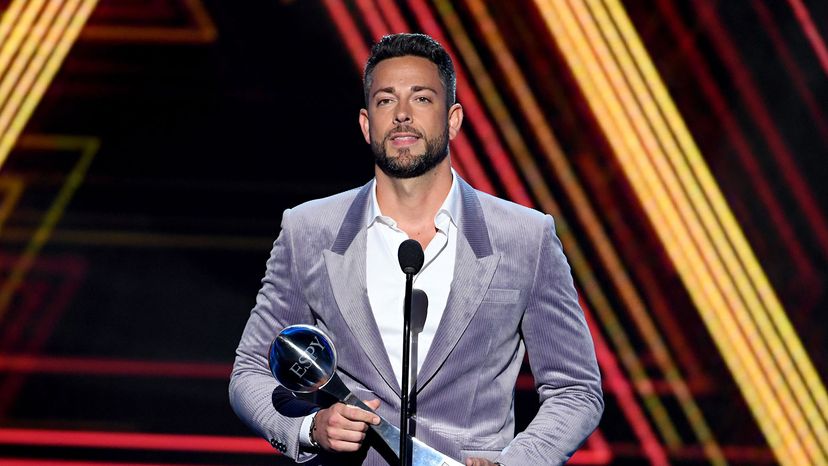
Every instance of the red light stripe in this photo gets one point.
(54, 462)
(393, 16)
(661, 306)
(589, 457)
(99, 366)
(790, 64)
(460, 145)
(477, 116)
(476, 175)
(598, 451)
(739, 454)
(811, 32)
(746, 87)
(615, 382)
(372, 18)
(71, 271)
(347, 30)
(698, 66)
(135, 440)
(614, 379)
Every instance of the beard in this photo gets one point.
(406, 164)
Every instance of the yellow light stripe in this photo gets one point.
(646, 181)
(41, 70)
(587, 215)
(752, 301)
(19, 26)
(28, 35)
(732, 290)
(745, 257)
(722, 265)
(584, 71)
(88, 147)
(8, 21)
(13, 187)
(584, 76)
(540, 190)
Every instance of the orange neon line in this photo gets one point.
(203, 32)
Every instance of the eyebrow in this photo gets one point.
(392, 90)
(422, 88)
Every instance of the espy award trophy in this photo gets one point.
(303, 360)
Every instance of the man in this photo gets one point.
(495, 275)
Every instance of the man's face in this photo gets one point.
(407, 122)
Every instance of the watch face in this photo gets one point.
(302, 358)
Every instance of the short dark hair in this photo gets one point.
(410, 44)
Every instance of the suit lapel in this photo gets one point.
(474, 268)
(345, 263)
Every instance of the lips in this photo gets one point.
(403, 138)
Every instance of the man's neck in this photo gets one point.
(413, 202)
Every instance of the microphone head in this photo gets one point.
(411, 256)
(302, 358)
(419, 309)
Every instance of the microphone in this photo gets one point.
(419, 310)
(419, 313)
(411, 257)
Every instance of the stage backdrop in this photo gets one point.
(149, 147)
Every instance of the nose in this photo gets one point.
(402, 114)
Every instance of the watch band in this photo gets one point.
(313, 441)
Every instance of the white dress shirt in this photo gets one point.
(386, 281)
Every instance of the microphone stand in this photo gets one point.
(405, 409)
(410, 255)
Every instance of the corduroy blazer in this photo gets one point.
(512, 293)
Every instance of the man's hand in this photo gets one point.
(478, 462)
(342, 427)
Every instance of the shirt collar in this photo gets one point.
(450, 208)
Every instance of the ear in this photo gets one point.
(365, 125)
(455, 120)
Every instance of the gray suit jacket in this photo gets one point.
(512, 290)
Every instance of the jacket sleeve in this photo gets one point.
(253, 390)
(562, 358)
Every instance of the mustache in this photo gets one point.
(402, 129)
